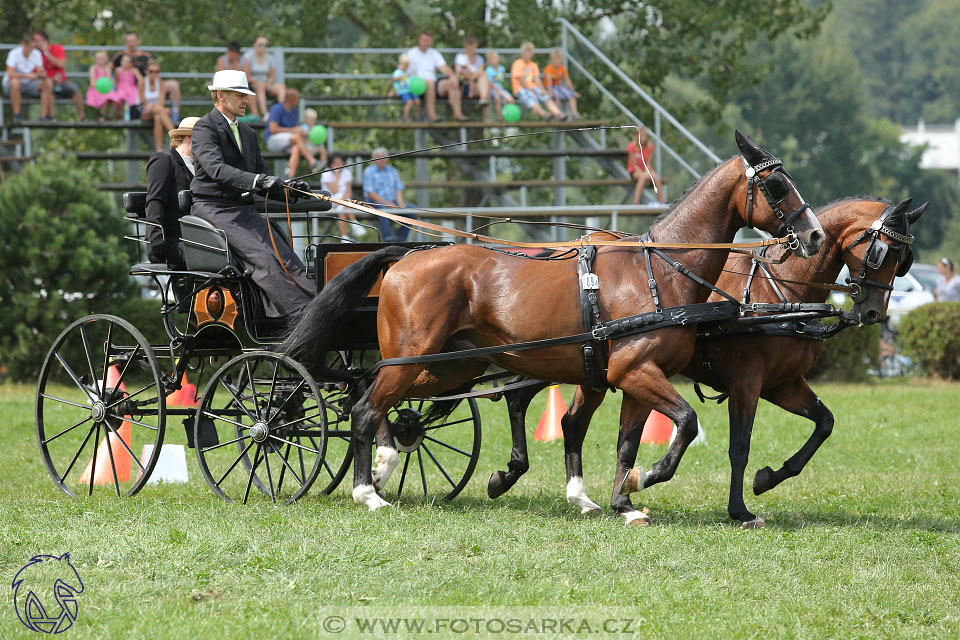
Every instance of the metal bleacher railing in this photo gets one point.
(356, 71)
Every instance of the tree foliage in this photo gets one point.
(61, 259)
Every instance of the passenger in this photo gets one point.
(229, 166)
(168, 173)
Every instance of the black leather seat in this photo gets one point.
(135, 203)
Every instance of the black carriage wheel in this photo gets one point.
(261, 422)
(339, 403)
(100, 385)
(438, 448)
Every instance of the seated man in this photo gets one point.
(54, 63)
(25, 76)
(283, 134)
(168, 173)
(229, 166)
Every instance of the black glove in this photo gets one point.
(297, 189)
(175, 257)
(271, 186)
(157, 253)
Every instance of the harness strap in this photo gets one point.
(651, 281)
(594, 351)
(682, 269)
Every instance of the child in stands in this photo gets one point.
(108, 103)
(557, 82)
(495, 73)
(401, 87)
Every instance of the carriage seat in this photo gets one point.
(135, 203)
(204, 246)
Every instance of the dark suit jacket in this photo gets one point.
(167, 175)
(223, 172)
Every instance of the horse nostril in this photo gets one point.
(871, 317)
(816, 240)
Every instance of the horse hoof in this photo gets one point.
(367, 496)
(636, 519)
(589, 512)
(756, 523)
(763, 481)
(496, 486)
(632, 482)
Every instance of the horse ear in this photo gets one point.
(66, 556)
(902, 207)
(748, 148)
(913, 216)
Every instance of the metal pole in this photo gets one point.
(559, 168)
(421, 169)
(133, 171)
(281, 60)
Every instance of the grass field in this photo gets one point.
(864, 544)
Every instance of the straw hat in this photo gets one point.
(230, 80)
(185, 128)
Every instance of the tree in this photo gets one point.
(62, 258)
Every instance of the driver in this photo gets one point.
(228, 167)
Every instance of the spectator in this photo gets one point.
(54, 63)
(470, 69)
(948, 288)
(338, 182)
(401, 87)
(152, 104)
(382, 186)
(129, 86)
(527, 87)
(171, 88)
(261, 70)
(557, 81)
(24, 76)
(309, 122)
(108, 103)
(282, 133)
(638, 166)
(425, 61)
(495, 72)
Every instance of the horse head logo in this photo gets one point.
(46, 580)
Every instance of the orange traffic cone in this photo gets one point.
(657, 429)
(121, 459)
(549, 427)
(188, 393)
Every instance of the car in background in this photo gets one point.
(909, 292)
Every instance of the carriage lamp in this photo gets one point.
(215, 302)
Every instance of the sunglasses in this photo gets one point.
(153, 70)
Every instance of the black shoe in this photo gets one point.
(17, 117)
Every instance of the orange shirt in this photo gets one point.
(554, 75)
(523, 75)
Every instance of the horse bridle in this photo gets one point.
(775, 188)
(876, 253)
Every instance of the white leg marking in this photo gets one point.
(367, 496)
(387, 460)
(577, 497)
(636, 518)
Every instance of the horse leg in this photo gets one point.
(798, 398)
(650, 386)
(518, 400)
(632, 416)
(575, 423)
(367, 417)
(742, 411)
(387, 456)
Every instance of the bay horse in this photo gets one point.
(748, 367)
(465, 296)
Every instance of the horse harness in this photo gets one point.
(876, 252)
(775, 188)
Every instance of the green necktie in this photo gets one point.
(236, 134)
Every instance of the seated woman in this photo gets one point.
(151, 99)
(168, 173)
(638, 166)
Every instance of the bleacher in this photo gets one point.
(504, 176)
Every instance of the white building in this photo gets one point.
(942, 141)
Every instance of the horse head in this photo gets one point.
(772, 201)
(879, 253)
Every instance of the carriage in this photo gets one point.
(261, 425)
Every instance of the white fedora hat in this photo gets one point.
(230, 80)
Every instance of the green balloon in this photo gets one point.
(104, 85)
(417, 86)
(511, 112)
(318, 134)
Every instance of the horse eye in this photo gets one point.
(777, 187)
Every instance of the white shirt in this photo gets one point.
(21, 63)
(462, 60)
(338, 186)
(187, 161)
(425, 63)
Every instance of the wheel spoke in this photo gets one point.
(223, 444)
(76, 380)
(237, 400)
(423, 477)
(286, 466)
(74, 404)
(51, 438)
(283, 404)
(126, 365)
(127, 396)
(325, 465)
(403, 475)
(273, 388)
(93, 462)
(253, 388)
(282, 469)
(86, 351)
(299, 446)
(221, 418)
(266, 461)
(253, 469)
(113, 465)
(77, 454)
(298, 420)
(448, 446)
(442, 470)
(124, 443)
(239, 458)
(449, 424)
(129, 419)
(108, 345)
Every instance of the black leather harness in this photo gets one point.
(595, 352)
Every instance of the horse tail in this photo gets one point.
(310, 331)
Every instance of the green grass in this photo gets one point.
(864, 544)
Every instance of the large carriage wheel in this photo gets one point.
(100, 407)
(261, 422)
(439, 445)
(338, 401)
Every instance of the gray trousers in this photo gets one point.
(249, 241)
